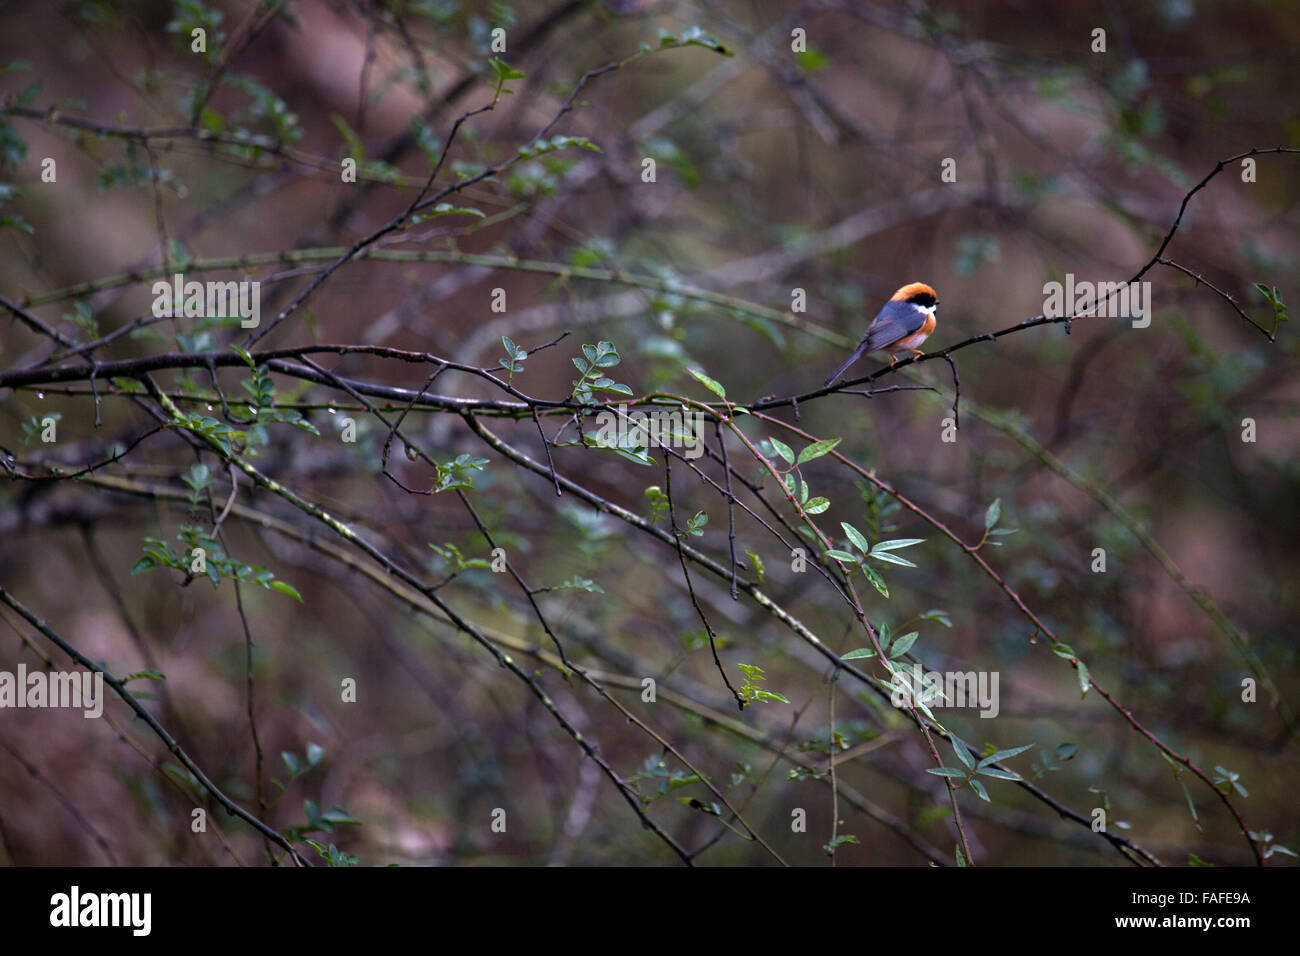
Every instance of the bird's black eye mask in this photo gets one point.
(923, 299)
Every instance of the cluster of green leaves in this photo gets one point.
(83, 317)
(882, 552)
(540, 179)
(229, 440)
(596, 358)
(158, 553)
(198, 480)
(453, 560)
(514, 358)
(9, 191)
(656, 772)
(265, 109)
(1052, 762)
(658, 503)
(1066, 652)
(135, 171)
(623, 443)
(1227, 781)
(1275, 302)
(332, 855)
(316, 821)
(991, 517)
(901, 645)
(13, 148)
(695, 525)
(458, 473)
(838, 842)
(504, 73)
(596, 251)
(261, 389)
(983, 768)
(750, 692)
(1266, 837)
(795, 485)
(539, 147)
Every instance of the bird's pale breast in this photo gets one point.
(916, 338)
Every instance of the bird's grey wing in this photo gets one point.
(895, 321)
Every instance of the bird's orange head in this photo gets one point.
(917, 293)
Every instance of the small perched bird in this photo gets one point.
(904, 323)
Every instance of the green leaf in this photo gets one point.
(842, 556)
(504, 71)
(890, 559)
(817, 506)
(945, 772)
(285, 588)
(991, 516)
(963, 753)
(999, 774)
(1084, 680)
(902, 645)
(896, 544)
(1004, 754)
(876, 580)
(338, 815)
(314, 754)
(816, 450)
(860, 654)
(290, 761)
(782, 449)
(838, 842)
(979, 788)
(856, 537)
(712, 385)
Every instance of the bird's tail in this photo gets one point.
(857, 354)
